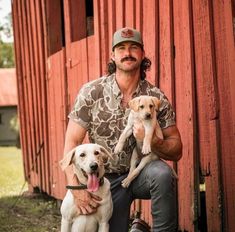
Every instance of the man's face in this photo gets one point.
(128, 56)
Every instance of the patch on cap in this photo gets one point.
(127, 33)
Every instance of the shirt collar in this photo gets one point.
(117, 92)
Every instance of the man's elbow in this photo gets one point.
(179, 152)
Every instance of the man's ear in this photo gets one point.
(112, 56)
(143, 56)
(134, 104)
(67, 160)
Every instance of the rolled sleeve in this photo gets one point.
(166, 115)
(81, 112)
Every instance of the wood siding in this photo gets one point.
(191, 46)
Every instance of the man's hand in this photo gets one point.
(86, 202)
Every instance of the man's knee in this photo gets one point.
(160, 174)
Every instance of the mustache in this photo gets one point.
(128, 58)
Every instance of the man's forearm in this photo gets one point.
(168, 149)
(74, 137)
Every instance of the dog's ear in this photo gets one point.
(156, 102)
(105, 154)
(67, 160)
(134, 103)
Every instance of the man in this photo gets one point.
(101, 109)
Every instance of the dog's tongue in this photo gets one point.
(93, 183)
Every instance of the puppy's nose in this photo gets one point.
(148, 116)
(93, 166)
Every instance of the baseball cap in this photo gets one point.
(127, 34)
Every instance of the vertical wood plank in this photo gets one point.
(225, 69)
(207, 119)
(17, 26)
(104, 35)
(33, 177)
(120, 14)
(150, 37)
(130, 11)
(45, 53)
(55, 91)
(185, 111)
(166, 55)
(139, 15)
(91, 62)
(33, 38)
(111, 23)
(97, 36)
(76, 55)
(56, 98)
(42, 83)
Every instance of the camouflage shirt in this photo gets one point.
(98, 109)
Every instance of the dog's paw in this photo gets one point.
(146, 149)
(126, 182)
(118, 148)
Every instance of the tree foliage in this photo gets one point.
(7, 55)
(6, 49)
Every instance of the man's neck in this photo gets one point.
(127, 82)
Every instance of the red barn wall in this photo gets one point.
(191, 46)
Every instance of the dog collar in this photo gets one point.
(82, 186)
(77, 187)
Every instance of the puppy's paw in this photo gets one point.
(118, 148)
(146, 149)
(126, 182)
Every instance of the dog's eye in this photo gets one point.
(82, 155)
(141, 106)
(96, 153)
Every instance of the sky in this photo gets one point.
(5, 8)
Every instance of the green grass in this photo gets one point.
(12, 176)
(21, 211)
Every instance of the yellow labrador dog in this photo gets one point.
(143, 110)
(88, 165)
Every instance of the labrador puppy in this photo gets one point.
(143, 110)
(88, 165)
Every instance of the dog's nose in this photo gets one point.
(148, 116)
(93, 166)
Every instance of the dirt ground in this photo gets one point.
(29, 213)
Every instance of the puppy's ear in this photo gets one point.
(67, 160)
(156, 102)
(134, 103)
(105, 154)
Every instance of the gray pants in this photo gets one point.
(155, 182)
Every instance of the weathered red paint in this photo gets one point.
(225, 70)
(186, 115)
(208, 147)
